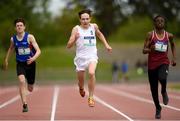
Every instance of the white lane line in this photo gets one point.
(90, 120)
(55, 98)
(174, 96)
(170, 91)
(10, 101)
(125, 94)
(112, 108)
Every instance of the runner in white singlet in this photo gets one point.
(84, 36)
(86, 50)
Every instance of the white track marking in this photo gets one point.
(169, 90)
(10, 101)
(55, 98)
(90, 120)
(174, 96)
(114, 120)
(112, 108)
(125, 94)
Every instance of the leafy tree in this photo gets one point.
(168, 8)
(107, 13)
(12, 9)
(112, 13)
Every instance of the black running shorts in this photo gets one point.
(28, 71)
(160, 73)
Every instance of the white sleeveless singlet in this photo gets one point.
(86, 43)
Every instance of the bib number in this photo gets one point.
(23, 51)
(89, 42)
(161, 47)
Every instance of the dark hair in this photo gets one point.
(165, 21)
(154, 19)
(19, 20)
(88, 11)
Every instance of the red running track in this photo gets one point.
(131, 102)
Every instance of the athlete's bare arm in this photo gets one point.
(74, 36)
(102, 38)
(173, 49)
(147, 48)
(10, 50)
(32, 40)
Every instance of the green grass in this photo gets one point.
(55, 57)
(175, 86)
(133, 30)
(56, 65)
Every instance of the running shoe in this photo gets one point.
(25, 108)
(165, 98)
(82, 92)
(91, 102)
(30, 87)
(158, 114)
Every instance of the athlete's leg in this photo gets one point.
(92, 78)
(163, 73)
(81, 75)
(22, 88)
(91, 83)
(20, 68)
(30, 76)
(153, 80)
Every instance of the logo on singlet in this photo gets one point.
(91, 32)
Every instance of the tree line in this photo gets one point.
(109, 14)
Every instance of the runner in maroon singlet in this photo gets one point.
(156, 46)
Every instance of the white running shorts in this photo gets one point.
(82, 63)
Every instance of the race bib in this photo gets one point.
(160, 46)
(89, 41)
(23, 51)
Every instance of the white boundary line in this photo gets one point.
(89, 120)
(169, 92)
(10, 101)
(112, 108)
(174, 96)
(125, 94)
(55, 98)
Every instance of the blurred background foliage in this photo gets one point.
(121, 21)
(110, 15)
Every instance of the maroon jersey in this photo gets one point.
(160, 55)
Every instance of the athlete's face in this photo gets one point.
(20, 27)
(159, 23)
(85, 20)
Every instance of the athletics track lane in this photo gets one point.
(63, 102)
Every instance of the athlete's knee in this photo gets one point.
(162, 79)
(91, 74)
(22, 79)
